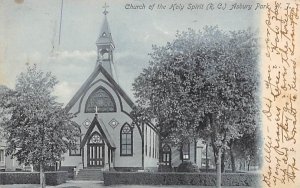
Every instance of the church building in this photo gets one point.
(108, 139)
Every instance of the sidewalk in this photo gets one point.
(99, 184)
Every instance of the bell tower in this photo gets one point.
(105, 47)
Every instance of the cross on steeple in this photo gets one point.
(105, 46)
(105, 12)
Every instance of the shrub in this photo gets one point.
(187, 166)
(179, 178)
(241, 179)
(19, 178)
(69, 169)
(52, 178)
(213, 170)
(165, 168)
(56, 177)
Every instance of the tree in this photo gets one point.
(3, 90)
(38, 129)
(202, 84)
(246, 148)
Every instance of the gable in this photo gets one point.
(109, 141)
(91, 80)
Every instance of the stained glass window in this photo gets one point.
(126, 140)
(96, 139)
(102, 99)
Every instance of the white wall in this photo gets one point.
(123, 109)
(151, 142)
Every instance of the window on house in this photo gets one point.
(1, 155)
(166, 155)
(153, 152)
(77, 150)
(126, 140)
(186, 151)
(146, 146)
(157, 146)
(101, 99)
(150, 144)
(105, 56)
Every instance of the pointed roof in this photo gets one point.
(85, 86)
(103, 131)
(105, 37)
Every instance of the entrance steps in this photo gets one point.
(90, 174)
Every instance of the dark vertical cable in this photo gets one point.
(61, 12)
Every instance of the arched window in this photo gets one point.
(76, 151)
(166, 155)
(96, 139)
(126, 140)
(101, 98)
(105, 56)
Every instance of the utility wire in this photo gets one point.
(61, 13)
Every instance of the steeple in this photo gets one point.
(105, 46)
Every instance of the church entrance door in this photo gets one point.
(96, 151)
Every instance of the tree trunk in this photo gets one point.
(206, 162)
(42, 176)
(181, 154)
(232, 160)
(215, 150)
(242, 164)
(219, 173)
(249, 165)
(223, 162)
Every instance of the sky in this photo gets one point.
(29, 32)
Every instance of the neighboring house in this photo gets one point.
(3, 163)
(2, 154)
(6, 162)
(194, 152)
(102, 108)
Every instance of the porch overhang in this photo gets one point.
(103, 131)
